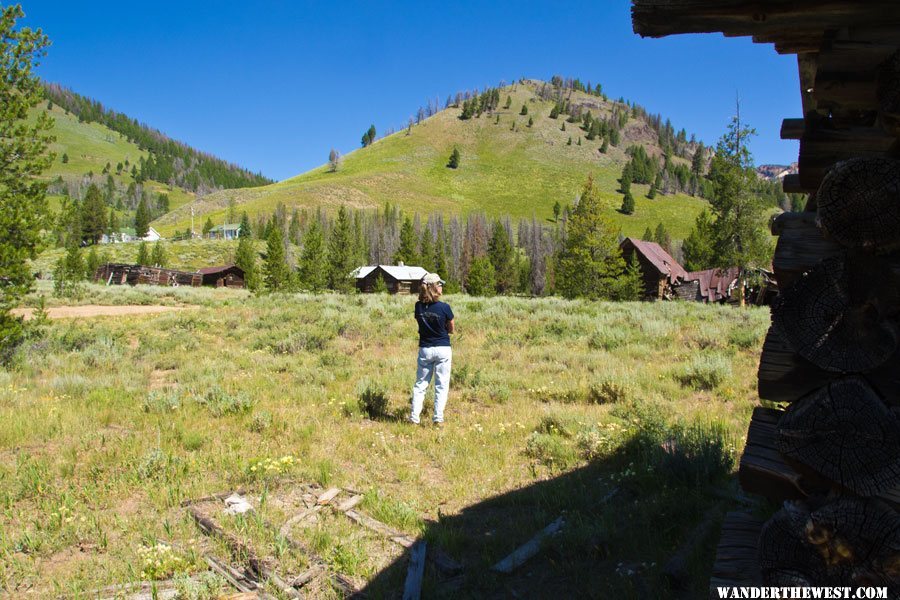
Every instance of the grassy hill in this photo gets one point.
(507, 168)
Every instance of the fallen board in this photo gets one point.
(736, 555)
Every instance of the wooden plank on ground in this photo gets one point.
(412, 589)
(349, 503)
(676, 569)
(736, 563)
(379, 527)
(328, 495)
(524, 552)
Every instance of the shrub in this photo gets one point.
(562, 395)
(705, 372)
(220, 402)
(373, 400)
(465, 376)
(160, 402)
(557, 425)
(609, 391)
(744, 337)
(550, 450)
(607, 338)
(261, 421)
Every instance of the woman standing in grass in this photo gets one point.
(435, 321)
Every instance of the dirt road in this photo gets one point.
(95, 310)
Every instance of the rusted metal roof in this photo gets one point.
(213, 270)
(715, 284)
(659, 258)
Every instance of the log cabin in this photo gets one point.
(832, 353)
(398, 279)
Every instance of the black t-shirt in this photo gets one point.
(433, 319)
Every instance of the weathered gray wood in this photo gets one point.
(321, 502)
(412, 588)
(839, 314)
(379, 527)
(527, 550)
(800, 246)
(349, 503)
(241, 585)
(846, 433)
(328, 495)
(736, 561)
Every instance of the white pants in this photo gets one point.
(432, 361)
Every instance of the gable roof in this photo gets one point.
(219, 269)
(661, 260)
(227, 227)
(715, 284)
(401, 272)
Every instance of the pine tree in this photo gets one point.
(426, 252)
(159, 257)
(557, 207)
(524, 110)
(313, 275)
(625, 180)
(530, 121)
(141, 219)
(112, 223)
(93, 215)
(627, 204)
(579, 140)
(454, 158)
(245, 259)
(340, 253)
(569, 143)
(276, 273)
(502, 256)
(440, 256)
(69, 271)
(480, 280)
(604, 147)
(554, 112)
(65, 158)
(648, 235)
(563, 126)
(334, 160)
(590, 260)
(740, 238)
(698, 246)
(663, 238)
(508, 103)
(369, 136)
(143, 256)
(24, 147)
(246, 230)
(407, 252)
(207, 227)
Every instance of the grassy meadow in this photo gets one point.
(620, 417)
(507, 168)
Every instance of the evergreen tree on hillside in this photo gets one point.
(246, 230)
(590, 262)
(481, 280)
(454, 158)
(369, 136)
(143, 255)
(698, 161)
(557, 207)
(530, 121)
(245, 259)
(604, 147)
(508, 103)
(141, 219)
(627, 204)
(65, 158)
(407, 252)
(524, 110)
(207, 226)
(340, 253)
(93, 215)
(24, 156)
(554, 112)
(92, 263)
(648, 235)
(313, 274)
(440, 256)
(159, 257)
(663, 238)
(112, 223)
(502, 256)
(563, 126)
(276, 273)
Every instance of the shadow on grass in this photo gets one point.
(625, 515)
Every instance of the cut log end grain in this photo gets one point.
(839, 314)
(846, 542)
(847, 434)
(859, 203)
(888, 93)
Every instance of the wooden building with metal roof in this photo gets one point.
(833, 351)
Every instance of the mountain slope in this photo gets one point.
(507, 168)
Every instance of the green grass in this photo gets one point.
(109, 423)
(519, 173)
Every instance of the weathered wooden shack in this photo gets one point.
(833, 350)
(399, 279)
(659, 271)
(709, 285)
(231, 276)
(120, 274)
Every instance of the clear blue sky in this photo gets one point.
(273, 86)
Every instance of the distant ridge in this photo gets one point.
(169, 161)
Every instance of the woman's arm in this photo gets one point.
(450, 326)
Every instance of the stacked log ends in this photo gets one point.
(859, 203)
(846, 542)
(845, 433)
(839, 314)
(888, 94)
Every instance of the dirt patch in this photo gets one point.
(162, 379)
(95, 310)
